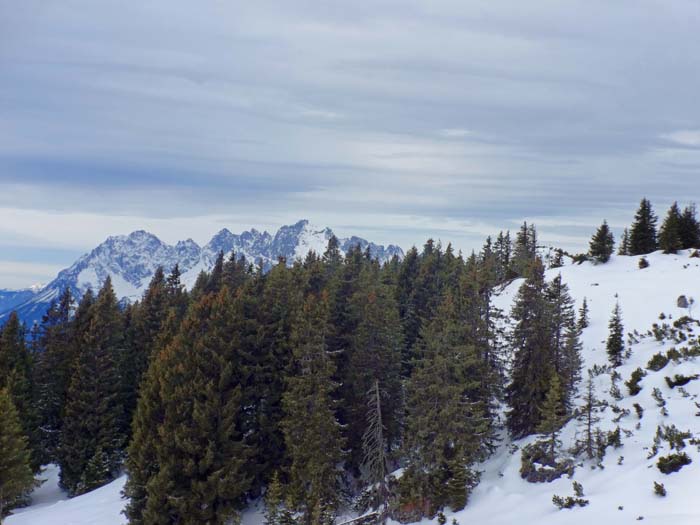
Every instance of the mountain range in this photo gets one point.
(130, 261)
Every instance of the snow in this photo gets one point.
(618, 493)
(312, 238)
(51, 506)
(503, 497)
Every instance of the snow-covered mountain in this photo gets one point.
(620, 487)
(130, 260)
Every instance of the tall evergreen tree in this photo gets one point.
(93, 432)
(553, 415)
(202, 460)
(624, 248)
(16, 374)
(602, 244)
(374, 354)
(670, 233)
(270, 305)
(55, 360)
(565, 338)
(533, 365)
(16, 477)
(615, 345)
(374, 445)
(689, 228)
(446, 421)
(588, 415)
(643, 232)
(525, 250)
(583, 315)
(312, 433)
(142, 462)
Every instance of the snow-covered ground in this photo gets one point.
(621, 492)
(51, 506)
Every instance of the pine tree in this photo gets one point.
(374, 353)
(533, 363)
(602, 244)
(200, 455)
(689, 228)
(552, 416)
(503, 249)
(583, 316)
(589, 417)
(643, 232)
(670, 232)
(16, 477)
(565, 341)
(144, 323)
(275, 511)
(374, 447)
(624, 248)
(93, 431)
(312, 434)
(616, 344)
(446, 422)
(141, 463)
(16, 375)
(53, 369)
(270, 305)
(525, 250)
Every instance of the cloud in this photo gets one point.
(182, 117)
(689, 138)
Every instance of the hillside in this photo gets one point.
(619, 490)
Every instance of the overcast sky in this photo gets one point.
(394, 120)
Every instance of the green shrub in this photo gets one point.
(633, 382)
(680, 380)
(657, 362)
(536, 465)
(568, 502)
(659, 489)
(673, 462)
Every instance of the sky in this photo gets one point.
(392, 120)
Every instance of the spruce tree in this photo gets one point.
(16, 477)
(270, 305)
(533, 363)
(583, 315)
(201, 459)
(670, 233)
(446, 423)
(624, 248)
(312, 434)
(93, 431)
(643, 232)
(375, 463)
(602, 244)
(689, 228)
(615, 345)
(552, 416)
(524, 250)
(53, 369)
(588, 415)
(374, 354)
(16, 374)
(141, 462)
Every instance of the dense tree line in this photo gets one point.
(306, 384)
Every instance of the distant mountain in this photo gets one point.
(130, 260)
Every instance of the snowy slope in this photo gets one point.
(502, 496)
(130, 260)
